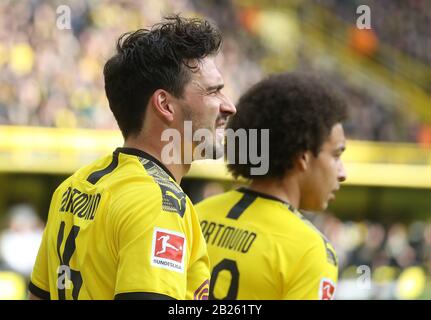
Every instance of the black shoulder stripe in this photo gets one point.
(97, 175)
(246, 200)
(266, 196)
(42, 294)
(142, 296)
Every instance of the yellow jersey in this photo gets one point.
(263, 248)
(121, 228)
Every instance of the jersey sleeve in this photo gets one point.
(151, 248)
(315, 276)
(198, 277)
(39, 280)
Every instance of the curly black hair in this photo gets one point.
(158, 58)
(298, 109)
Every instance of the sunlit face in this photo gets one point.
(206, 106)
(324, 173)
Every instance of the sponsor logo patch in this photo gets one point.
(168, 250)
(326, 289)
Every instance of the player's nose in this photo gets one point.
(227, 106)
(342, 176)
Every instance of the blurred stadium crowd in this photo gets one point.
(398, 256)
(52, 77)
(406, 27)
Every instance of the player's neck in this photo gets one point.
(279, 188)
(153, 148)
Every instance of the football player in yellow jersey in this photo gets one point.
(122, 227)
(260, 245)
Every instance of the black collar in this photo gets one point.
(143, 154)
(266, 196)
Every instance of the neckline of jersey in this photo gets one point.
(267, 196)
(143, 154)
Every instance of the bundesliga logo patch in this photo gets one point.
(327, 289)
(168, 250)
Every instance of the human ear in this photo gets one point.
(161, 101)
(302, 161)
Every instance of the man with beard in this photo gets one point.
(122, 227)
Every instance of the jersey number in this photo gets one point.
(231, 266)
(64, 270)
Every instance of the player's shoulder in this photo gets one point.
(304, 229)
(307, 229)
(306, 240)
(289, 228)
(320, 243)
(97, 165)
(122, 176)
(220, 202)
(148, 196)
(231, 194)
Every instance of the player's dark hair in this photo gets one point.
(158, 58)
(298, 109)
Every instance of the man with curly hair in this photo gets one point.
(260, 245)
(122, 227)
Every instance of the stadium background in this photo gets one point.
(54, 118)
